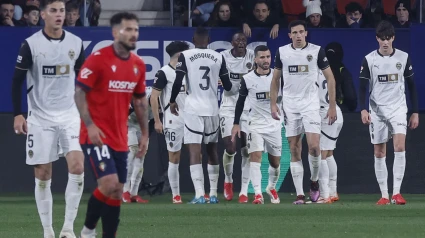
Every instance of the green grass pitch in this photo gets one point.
(353, 216)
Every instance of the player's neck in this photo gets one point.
(299, 46)
(52, 33)
(261, 71)
(173, 62)
(237, 53)
(387, 52)
(121, 51)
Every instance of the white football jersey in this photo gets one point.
(51, 65)
(257, 89)
(203, 68)
(164, 80)
(300, 68)
(386, 75)
(323, 92)
(237, 67)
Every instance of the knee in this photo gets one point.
(399, 148)
(230, 149)
(77, 168)
(380, 153)
(75, 160)
(314, 150)
(42, 172)
(174, 157)
(295, 151)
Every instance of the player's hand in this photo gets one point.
(174, 108)
(246, 30)
(275, 112)
(414, 121)
(236, 130)
(365, 117)
(95, 135)
(331, 115)
(274, 32)
(158, 127)
(8, 21)
(20, 125)
(143, 146)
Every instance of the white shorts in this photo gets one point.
(174, 138)
(133, 137)
(198, 129)
(263, 140)
(226, 123)
(298, 123)
(45, 143)
(381, 130)
(329, 133)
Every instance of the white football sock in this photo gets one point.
(314, 167)
(381, 173)
(173, 178)
(297, 171)
(273, 176)
(245, 171)
(197, 174)
(324, 179)
(255, 172)
(73, 193)
(87, 232)
(228, 161)
(333, 170)
(44, 200)
(398, 170)
(136, 175)
(130, 159)
(213, 173)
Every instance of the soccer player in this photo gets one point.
(108, 80)
(328, 138)
(173, 126)
(240, 61)
(387, 70)
(264, 131)
(202, 67)
(299, 62)
(49, 60)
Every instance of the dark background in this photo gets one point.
(354, 156)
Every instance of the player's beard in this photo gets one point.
(264, 67)
(127, 47)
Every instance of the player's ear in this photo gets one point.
(43, 14)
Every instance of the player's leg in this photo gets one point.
(226, 124)
(243, 195)
(193, 133)
(273, 145)
(211, 139)
(398, 128)
(255, 146)
(132, 148)
(42, 150)
(136, 179)
(174, 140)
(324, 178)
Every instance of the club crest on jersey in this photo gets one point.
(30, 154)
(102, 166)
(309, 58)
(249, 65)
(71, 54)
(136, 70)
(398, 65)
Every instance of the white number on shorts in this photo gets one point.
(103, 154)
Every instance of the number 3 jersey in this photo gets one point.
(164, 80)
(386, 75)
(202, 67)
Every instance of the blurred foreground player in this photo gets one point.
(106, 84)
(50, 59)
(387, 71)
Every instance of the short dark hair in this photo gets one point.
(44, 3)
(6, 2)
(353, 7)
(297, 23)
(262, 2)
(385, 30)
(176, 47)
(117, 18)
(202, 32)
(71, 6)
(260, 48)
(30, 8)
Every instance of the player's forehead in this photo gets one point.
(297, 28)
(239, 37)
(263, 53)
(56, 5)
(129, 23)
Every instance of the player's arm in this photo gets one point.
(23, 63)
(323, 64)
(243, 93)
(80, 61)
(159, 84)
(181, 70)
(141, 109)
(275, 85)
(225, 79)
(410, 81)
(364, 81)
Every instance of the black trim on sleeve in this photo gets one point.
(139, 95)
(223, 68)
(410, 81)
(322, 61)
(83, 86)
(239, 109)
(80, 61)
(18, 80)
(160, 80)
(408, 70)
(178, 82)
(24, 60)
(365, 71)
(277, 61)
(243, 90)
(362, 93)
(181, 64)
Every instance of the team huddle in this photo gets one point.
(91, 121)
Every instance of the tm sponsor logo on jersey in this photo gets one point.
(56, 70)
(388, 78)
(263, 96)
(298, 69)
(121, 86)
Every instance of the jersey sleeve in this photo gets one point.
(408, 71)
(277, 61)
(243, 90)
(364, 70)
(160, 80)
(80, 61)
(322, 61)
(90, 72)
(24, 60)
(223, 68)
(140, 89)
(181, 64)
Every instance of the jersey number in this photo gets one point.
(324, 85)
(30, 141)
(206, 77)
(172, 136)
(104, 153)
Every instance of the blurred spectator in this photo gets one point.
(315, 18)
(33, 3)
(223, 16)
(202, 13)
(6, 13)
(19, 5)
(353, 17)
(402, 11)
(262, 17)
(31, 16)
(91, 17)
(72, 14)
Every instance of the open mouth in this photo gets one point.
(58, 21)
